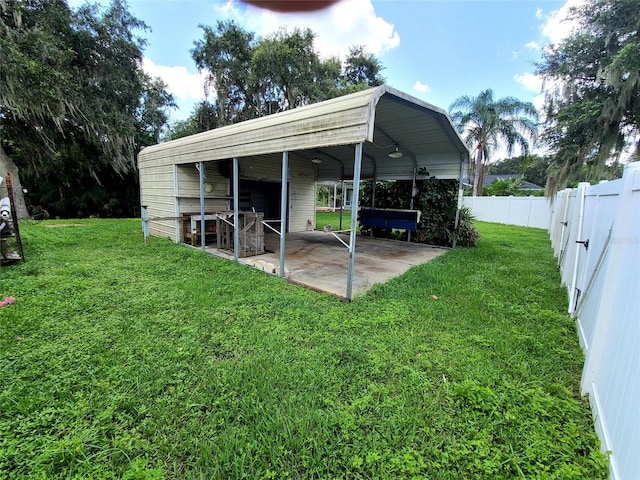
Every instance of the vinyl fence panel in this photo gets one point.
(595, 234)
(603, 281)
(601, 206)
(569, 251)
(523, 211)
(558, 223)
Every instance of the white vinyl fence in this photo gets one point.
(595, 233)
(522, 211)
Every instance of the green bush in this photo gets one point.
(503, 187)
(465, 235)
(506, 187)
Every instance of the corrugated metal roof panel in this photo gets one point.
(339, 121)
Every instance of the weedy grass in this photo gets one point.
(125, 360)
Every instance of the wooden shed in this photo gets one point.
(379, 133)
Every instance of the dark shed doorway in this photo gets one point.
(261, 196)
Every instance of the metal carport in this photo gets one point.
(345, 138)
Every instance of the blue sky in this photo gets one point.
(434, 50)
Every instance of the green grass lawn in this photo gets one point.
(121, 360)
(333, 219)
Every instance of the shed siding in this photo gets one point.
(432, 164)
(161, 195)
(302, 195)
(156, 192)
(188, 191)
(302, 177)
(268, 168)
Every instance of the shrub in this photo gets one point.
(503, 187)
(465, 235)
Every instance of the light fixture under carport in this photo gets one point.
(396, 153)
(316, 159)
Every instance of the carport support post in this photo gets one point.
(373, 192)
(354, 219)
(283, 210)
(236, 220)
(373, 199)
(203, 235)
(413, 189)
(341, 202)
(459, 207)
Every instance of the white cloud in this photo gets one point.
(532, 83)
(182, 84)
(421, 87)
(337, 28)
(343, 25)
(228, 11)
(533, 46)
(529, 81)
(227, 8)
(558, 25)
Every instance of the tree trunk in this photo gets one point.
(481, 178)
(477, 174)
(8, 166)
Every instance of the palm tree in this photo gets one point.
(484, 122)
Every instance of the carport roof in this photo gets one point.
(381, 118)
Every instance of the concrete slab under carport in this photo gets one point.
(317, 260)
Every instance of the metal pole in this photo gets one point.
(202, 221)
(373, 199)
(373, 192)
(283, 209)
(354, 219)
(413, 189)
(176, 205)
(236, 219)
(341, 202)
(413, 183)
(145, 223)
(459, 207)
